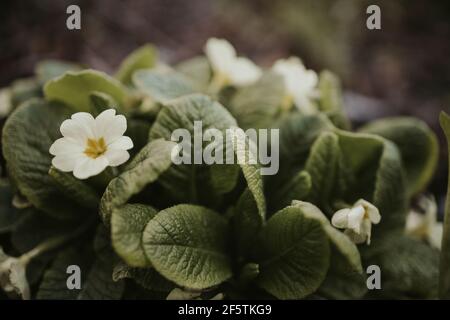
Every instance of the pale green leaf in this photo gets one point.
(259, 105)
(127, 224)
(145, 168)
(144, 57)
(75, 88)
(198, 70)
(162, 86)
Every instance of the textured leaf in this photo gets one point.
(371, 169)
(75, 189)
(9, 215)
(444, 275)
(247, 222)
(127, 225)
(74, 88)
(147, 278)
(297, 188)
(322, 166)
(50, 69)
(142, 58)
(409, 268)
(185, 182)
(145, 168)
(293, 254)
(96, 278)
(343, 248)
(27, 136)
(258, 105)
(418, 147)
(100, 102)
(162, 86)
(187, 244)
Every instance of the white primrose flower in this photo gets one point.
(425, 226)
(90, 145)
(300, 83)
(357, 221)
(228, 68)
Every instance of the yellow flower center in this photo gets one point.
(95, 148)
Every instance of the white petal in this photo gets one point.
(116, 157)
(68, 162)
(80, 127)
(366, 229)
(221, 54)
(109, 126)
(435, 235)
(123, 143)
(340, 218)
(90, 167)
(414, 222)
(66, 146)
(244, 72)
(355, 218)
(371, 210)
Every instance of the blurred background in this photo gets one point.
(402, 69)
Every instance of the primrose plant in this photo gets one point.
(100, 172)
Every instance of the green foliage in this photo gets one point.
(210, 228)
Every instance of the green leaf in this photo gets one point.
(297, 134)
(75, 88)
(96, 277)
(371, 169)
(50, 69)
(409, 268)
(147, 278)
(258, 105)
(198, 70)
(297, 188)
(342, 246)
(292, 253)
(127, 224)
(9, 215)
(418, 147)
(187, 244)
(182, 113)
(162, 86)
(444, 276)
(330, 100)
(145, 168)
(322, 166)
(28, 158)
(247, 222)
(100, 102)
(144, 57)
(75, 189)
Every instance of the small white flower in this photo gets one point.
(228, 68)
(299, 82)
(90, 145)
(357, 221)
(425, 226)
